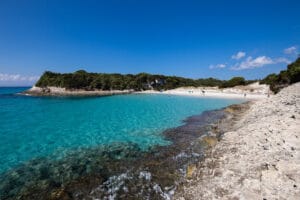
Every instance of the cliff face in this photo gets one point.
(260, 159)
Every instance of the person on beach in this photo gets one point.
(203, 92)
(245, 95)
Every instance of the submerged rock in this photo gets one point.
(190, 170)
(210, 140)
(120, 170)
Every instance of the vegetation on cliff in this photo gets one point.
(284, 78)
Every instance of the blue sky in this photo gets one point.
(195, 39)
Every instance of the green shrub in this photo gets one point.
(293, 70)
(142, 81)
(234, 82)
(284, 78)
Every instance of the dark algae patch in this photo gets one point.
(121, 170)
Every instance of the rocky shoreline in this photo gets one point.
(258, 159)
(123, 171)
(56, 91)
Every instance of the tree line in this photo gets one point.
(143, 81)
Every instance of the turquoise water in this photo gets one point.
(32, 127)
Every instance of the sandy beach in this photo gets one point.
(251, 91)
(259, 159)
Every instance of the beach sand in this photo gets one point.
(251, 91)
(259, 159)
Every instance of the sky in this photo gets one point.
(194, 39)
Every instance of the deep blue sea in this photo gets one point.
(33, 127)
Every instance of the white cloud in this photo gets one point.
(290, 50)
(250, 63)
(239, 55)
(217, 66)
(17, 78)
(260, 61)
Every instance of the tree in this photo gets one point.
(143, 81)
(234, 82)
(293, 70)
(284, 78)
(271, 78)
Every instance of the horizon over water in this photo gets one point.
(55, 131)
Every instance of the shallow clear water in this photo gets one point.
(33, 127)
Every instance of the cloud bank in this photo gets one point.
(17, 79)
(260, 61)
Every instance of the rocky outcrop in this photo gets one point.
(260, 159)
(57, 91)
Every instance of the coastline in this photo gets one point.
(258, 159)
(251, 152)
(208, 94)
(103, 172)
(56, 91)
(251, 92)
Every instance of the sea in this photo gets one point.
(92, 147)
